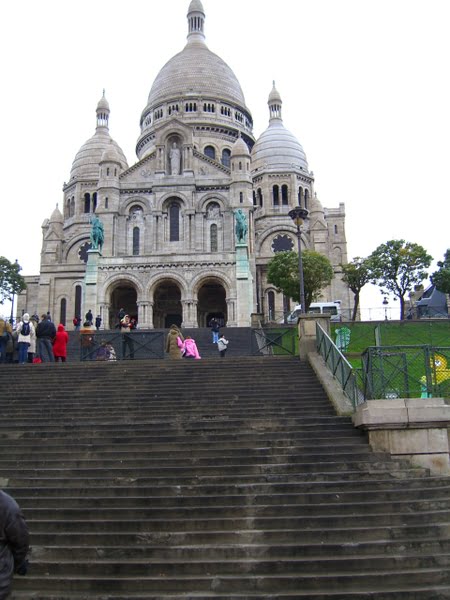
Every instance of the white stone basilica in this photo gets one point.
(170, 251)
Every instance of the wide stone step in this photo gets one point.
(254, 510)
(345, 500)
(361, 581)
(382, 482)
(127, 567)
(417, 592)
(342, 552)
(427, 532)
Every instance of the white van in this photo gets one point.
(320, 308)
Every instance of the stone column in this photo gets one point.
(231, 312)
(104, 314)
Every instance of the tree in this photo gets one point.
(441, 278)
(283, 273)
(397, 266)
(357, 274)
(11, 281)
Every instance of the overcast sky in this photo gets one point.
(364, 83)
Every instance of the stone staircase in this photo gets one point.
(217, 478)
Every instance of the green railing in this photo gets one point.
(406, 372)
(338, 365)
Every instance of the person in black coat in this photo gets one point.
(14, 543)
(45, 334)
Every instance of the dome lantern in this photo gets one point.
(196, 22)
(103, 112)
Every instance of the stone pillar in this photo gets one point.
(143, 314)
(90, 283)
(307, 332)
(189, 313)
(244, 286)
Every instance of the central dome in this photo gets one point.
(196, 71)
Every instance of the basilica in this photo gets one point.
(187, 230)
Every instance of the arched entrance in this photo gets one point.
(123, 296)
(167, 308)
(211, 303)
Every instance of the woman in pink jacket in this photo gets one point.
(60, 344)
(189, 349)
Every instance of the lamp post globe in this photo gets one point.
(298, 215)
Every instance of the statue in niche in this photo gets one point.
(241, 226)
(175, 159)
(213, 211)
(97, 233)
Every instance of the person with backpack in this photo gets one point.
(25, 330)
(45, 333)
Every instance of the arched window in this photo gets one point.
(63, 312)
(226, 157)
(210, 151)
(254, 198)
(213, 237)
(87, 203)
(174, 222)
(260, 197)
(77, 301)
(306, 199)
(72, 206)
(276, 195)
(241, 197)
(94, 201)
(284, 195)
(271, 305)
(335, 229)
(300, 196)
(136, 239)
(106, 202)
(240, 166)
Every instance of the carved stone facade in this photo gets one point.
(170, 252)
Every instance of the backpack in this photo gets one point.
(25, 329)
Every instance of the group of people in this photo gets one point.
(89, 318)
(218, 338)
(179, 346)
(33, 340)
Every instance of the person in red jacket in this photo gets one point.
(60, 344)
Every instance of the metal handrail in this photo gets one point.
(339, 366)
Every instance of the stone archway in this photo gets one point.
(211, 302)
(167, 307)
(123, 296)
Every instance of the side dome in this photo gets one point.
(277, 149)
(56, 216)
(88, 157)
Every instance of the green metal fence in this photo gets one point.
(406, 372)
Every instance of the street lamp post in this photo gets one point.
(298, 215)
(385, 304)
